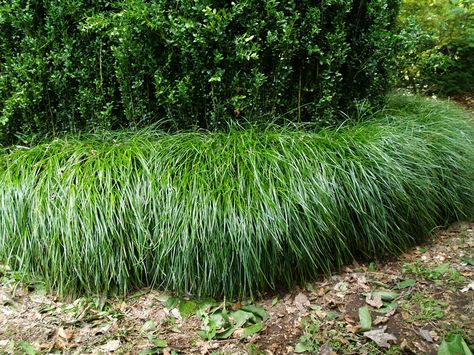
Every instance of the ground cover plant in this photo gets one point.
(232, 213)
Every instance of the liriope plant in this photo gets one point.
(232, 213)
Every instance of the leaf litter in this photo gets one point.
(420, 302)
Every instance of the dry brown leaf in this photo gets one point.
(110, 346)
(60, 344)
(374, 300)
(203, 347)
(321, 292)
(65, 333)
(290, 309)
(301, 302)
(353, 328)
(404, 345)
(321, 314)
(380, 337)
(380, 320)
(425, 334)
(468, 287)
(391, 312)
(326, 349)
(348, 319)
(434, 335)
(420, 347)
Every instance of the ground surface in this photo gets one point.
(466, 100)
(413, 302)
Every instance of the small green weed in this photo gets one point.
(423, 307)
(337, 338)
(220, 323)
(438, 274)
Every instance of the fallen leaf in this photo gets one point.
(404, 345)
(380, 320)
(160, 343)
(386, 295)
(425, 334)
(290, 309)
(326, 349)
(468, 287)
(365, 318)
(203, 346)
(391, 312)
(255, 328)
(110, 346)
(60, 344)
(321, 314)
(102, 329)
(301, 302)
(353, 328)
(65, 333)
(454, 344)
(238, 333)
(468, 260)
(434, 335)
(348, 319)
(420, 347)
(176, 314)
(149, 326)
(341, 286)
(361, 281)
(374, 300)
(380, 337)
(405, 284)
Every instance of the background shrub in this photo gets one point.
(232, 213)
(74, 64)
(437, 46)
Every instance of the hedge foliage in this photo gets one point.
(437, 52)
(73, 65)
(232, 213)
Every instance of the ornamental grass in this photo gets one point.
(232, 213)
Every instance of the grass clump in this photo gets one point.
(232, 213)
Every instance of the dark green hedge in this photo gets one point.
(437, 46)
(74, 65)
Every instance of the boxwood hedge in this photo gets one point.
(72, 65)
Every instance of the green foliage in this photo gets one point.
(75, 65)
(437, 46)
(454, 344)
(423, 307)
(232, 213)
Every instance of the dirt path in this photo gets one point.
(466, 100)
(413, 302)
